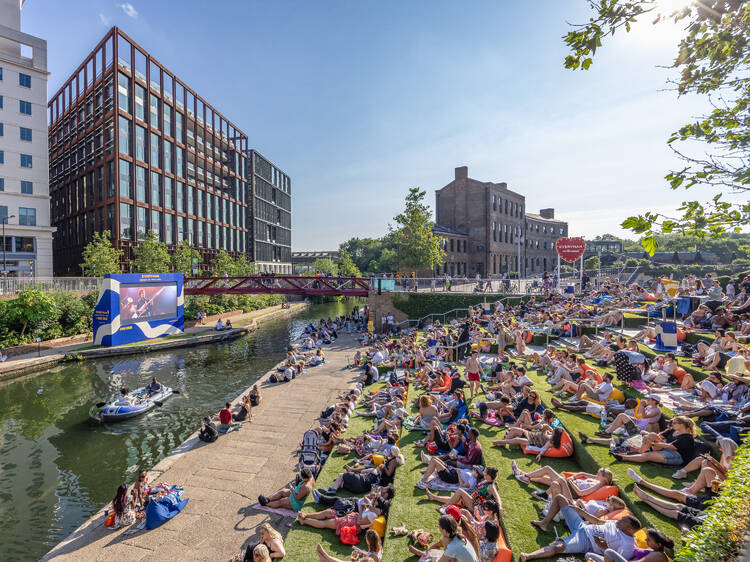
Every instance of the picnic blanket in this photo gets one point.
(277, 510)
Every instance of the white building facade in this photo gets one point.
(26, 249)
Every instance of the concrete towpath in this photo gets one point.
(223, 479)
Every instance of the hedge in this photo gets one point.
(219, 304)
(417, 305)
(722, 534)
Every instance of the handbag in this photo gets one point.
(348, 535)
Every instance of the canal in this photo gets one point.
(58, 467)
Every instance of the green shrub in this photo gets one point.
(421, 304)
(722, 534)
(220, 304)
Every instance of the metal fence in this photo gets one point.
(14, 285)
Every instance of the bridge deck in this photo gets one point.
(278, 284)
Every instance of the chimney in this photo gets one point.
(547, 213)
(462, 172)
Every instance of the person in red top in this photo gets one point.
(225, 415)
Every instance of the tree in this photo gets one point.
(591, 262)
(243, 267)
(325, 266)
(712, 61)
(151, 255)
(417, 246)
(183, 256)
(347, 267)
(223, 264)
(100, 257)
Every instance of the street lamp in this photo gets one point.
(5, 263)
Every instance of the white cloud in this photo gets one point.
(104, 19)
(129, 9)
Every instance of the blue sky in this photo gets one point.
(358, 101)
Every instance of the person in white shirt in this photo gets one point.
(599, 392)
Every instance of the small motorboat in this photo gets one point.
(133, 404)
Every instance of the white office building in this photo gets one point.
(24, 158)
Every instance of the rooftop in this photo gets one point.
(440, 229)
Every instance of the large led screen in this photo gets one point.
(153, 301)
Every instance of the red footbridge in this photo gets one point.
(278, 284)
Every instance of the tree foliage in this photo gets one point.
(151, 255)
(183, 256)
(100, 257)
(417, 246)
(590, 263)
(347, 267)
(712, 60)
(224, 264)
(32, 308)
(325, 266)
(372, 255)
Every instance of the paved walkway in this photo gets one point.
(223, 479)
(19, 364)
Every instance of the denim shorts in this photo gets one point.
(671, 457)
(577, 542)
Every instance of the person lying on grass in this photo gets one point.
(675, 446)
(328, 519)
(486, 489)
(546, 439)
(360, 480)
(656, 541)
(599, 392)
(466, 478)
(646, 413)
(374, 552)
(688, 517)
(709, 490)
(590, 534)
(291, 497)
(607, 509)
(445, 439)
(578, 485)
(344, 506)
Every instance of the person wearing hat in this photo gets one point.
(646, 413)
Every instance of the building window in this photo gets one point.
(126, 182)
(126, 221)
(24, 244)
(179, 154)
(167, 120)
(26, 161)
(140, 96)
(156, 223)
(141, 225)
(167, 156)
(110, 180)
(25, 134)
(168, 228)
(180, 197)
(155, 141)
(1, 129)
(2, 157)
(153, 103)
(2, 188)
(24, 80)
(178, 126)
(125, 132)
(168, 194)
(24, 107)
(1, 102)
(140, 143)
(27, 187)
(26, 216)
(3, 213)
(140, 184)
(123, 92)
(155, 189)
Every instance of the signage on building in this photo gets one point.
(570, 249)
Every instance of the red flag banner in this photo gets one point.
(570, 249)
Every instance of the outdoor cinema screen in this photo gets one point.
(151, 301)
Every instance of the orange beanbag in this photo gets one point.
(681, 335)
(504, 553)
(565, 449)
(600, 494)
(679, 373)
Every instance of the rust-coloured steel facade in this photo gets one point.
(132, 149)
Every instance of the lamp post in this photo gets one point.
(5, 263)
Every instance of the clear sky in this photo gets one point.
(359, 100)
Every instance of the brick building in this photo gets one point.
(498, 231)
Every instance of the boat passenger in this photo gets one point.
(154, 388)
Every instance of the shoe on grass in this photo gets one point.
(316, 496)
(583, 437)
(425, 457)
(680, 474)
(634, 475)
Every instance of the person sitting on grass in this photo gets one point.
(599, 392)
(647, 413)
(273, 541)
(685, 496)
(546, 439)
(291, 497)
(602, 509)
(472, 452)
(590, 534)
(578, 485)
(687, 517)
(709, 467)
(456, 546)
(656, 541)
(486, 489)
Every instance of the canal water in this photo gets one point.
(58, 467)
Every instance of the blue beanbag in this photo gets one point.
(162, 510)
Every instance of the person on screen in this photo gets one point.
(219, 325)
(129, 311)
(154, 387)
(143, 306)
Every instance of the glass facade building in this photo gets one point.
(133, 149)
(270, 216)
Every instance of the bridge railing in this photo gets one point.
(277, 284)
(493, 286)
